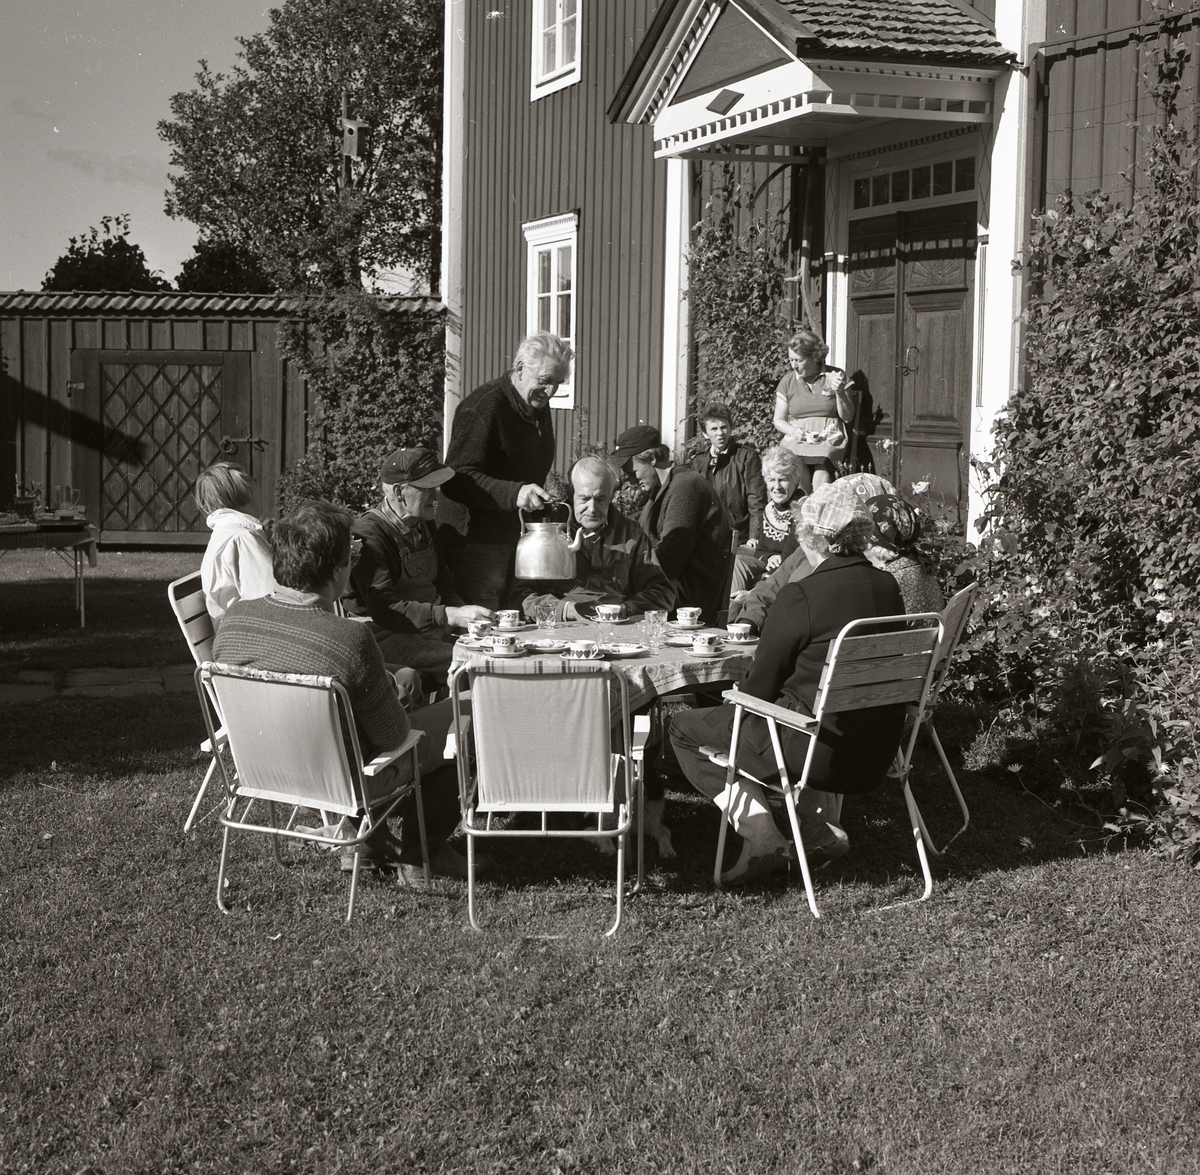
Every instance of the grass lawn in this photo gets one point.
(129, 622)
(1037, 1015)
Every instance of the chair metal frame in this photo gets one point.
(186, 596)
(862, 670)
(721, 616)
(468, 727)
(954, 622)
(243, 784)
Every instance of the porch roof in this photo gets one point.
(805, 72)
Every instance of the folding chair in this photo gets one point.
(186, 597)
(954, 622)
(542, 740)
(863, 669)
(285, 736)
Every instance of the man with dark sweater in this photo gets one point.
(854, 749)
(502, 448)
(734, 470)
(686, 522)
(295, 630)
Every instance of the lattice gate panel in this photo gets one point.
(161, 428)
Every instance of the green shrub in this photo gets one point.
(376, 373)
(1090, 559)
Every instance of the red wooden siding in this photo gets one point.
(1094, 109)
(556, 155)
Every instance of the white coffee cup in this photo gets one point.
(706, 643)
(738, 630)
(503, 643)
(509, 618)
(479, 628)
(688, 615)
(582, 648)
(608, 612)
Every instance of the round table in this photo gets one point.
(650, 675)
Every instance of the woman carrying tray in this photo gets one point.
(814, 403)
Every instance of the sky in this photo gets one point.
(83, 84)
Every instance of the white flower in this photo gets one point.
(1166, 617)
(1158, 585)
(919, 487)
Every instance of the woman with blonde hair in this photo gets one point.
(814, 405)
(777, 539)
(237, 561)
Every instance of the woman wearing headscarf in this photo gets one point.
(893, 549)
(854, 749)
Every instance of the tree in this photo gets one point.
(259, 150)
(222, 267)
(105, 259)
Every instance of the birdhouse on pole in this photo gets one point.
(354, 138)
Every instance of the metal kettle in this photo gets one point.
(544, 551)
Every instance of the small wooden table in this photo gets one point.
(60, 536)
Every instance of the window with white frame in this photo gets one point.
(550, 286)
(555, 46)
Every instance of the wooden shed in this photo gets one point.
(127, 396)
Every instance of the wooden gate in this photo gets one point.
(163, 416)
(910, 331)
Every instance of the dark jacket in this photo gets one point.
(497, 445)
(689, 529)
(400, 580)
(737, 478)
(616, 566)
(854, 748)
(754, 608)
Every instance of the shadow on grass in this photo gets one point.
(129, 622)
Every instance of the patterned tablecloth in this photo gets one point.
(664, 671)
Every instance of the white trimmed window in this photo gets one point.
(555, 46)
(550, 286)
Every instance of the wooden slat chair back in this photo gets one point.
(543, 734)
(864, 668)
(954, 622)
(186, 597)
(285, 734)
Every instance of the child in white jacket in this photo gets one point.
(237, 561)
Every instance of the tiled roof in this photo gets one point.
(175, 304)
(933, 30)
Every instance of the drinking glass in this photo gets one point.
(654, 625)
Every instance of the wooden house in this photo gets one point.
(126, 397)
(581, 136)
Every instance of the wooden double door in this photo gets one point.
(911, 278)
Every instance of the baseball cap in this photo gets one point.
(414, 467)
(634, 441)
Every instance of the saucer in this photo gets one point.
(514, 628)
(519, 651)
(713, 656)
(622, 650)
(741, 640)
(681, 624)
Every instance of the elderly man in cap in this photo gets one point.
(614, 562)
(855, 749)
(734, 470)
(685, 520)
(502, 447)
(399, 580)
